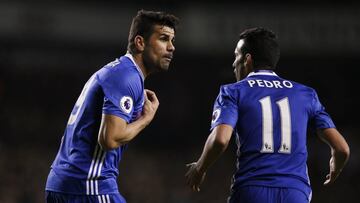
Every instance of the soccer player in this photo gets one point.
(111, 110)
(269, 116)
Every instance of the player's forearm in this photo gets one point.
(340, 158)
(340, 150)
(113, 136)
(131, 131)
(212, 151)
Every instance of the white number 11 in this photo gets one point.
(267, 125)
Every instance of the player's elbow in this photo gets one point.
(221, 136)
(107, 143)
(107, 146)
(343, 151)
(221, 141)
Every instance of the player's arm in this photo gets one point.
(115, 131)
(215, 145)
(340, 152)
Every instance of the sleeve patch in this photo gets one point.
(215, 115)
(126, 104)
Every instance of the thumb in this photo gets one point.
(145, 96)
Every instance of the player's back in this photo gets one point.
(273, 114)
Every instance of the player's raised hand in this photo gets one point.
(194, 177)
(151, 104)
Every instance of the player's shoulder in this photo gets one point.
(121, 69)
(300, 85)
(230, 89)
(228, 86)
(305, 90)
(235, 86)
(123, 64)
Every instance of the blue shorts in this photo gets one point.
(57, 197)
(261, 194)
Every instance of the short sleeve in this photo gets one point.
(225, 109)
(320, 119)
(122, 92)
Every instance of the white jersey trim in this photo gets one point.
(92, 186)
(103, 198)
(262, 73)
(137, 67)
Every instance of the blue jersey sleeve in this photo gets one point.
(225, 109)
(320, 119)
(122, 92)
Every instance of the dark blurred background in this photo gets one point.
(48, 50)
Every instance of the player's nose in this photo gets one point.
(171, 47)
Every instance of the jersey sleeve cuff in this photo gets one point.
(120, 115)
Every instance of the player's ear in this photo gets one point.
(248, 62)
(139, 42)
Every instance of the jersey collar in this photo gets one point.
(262, 72)
(137, 67)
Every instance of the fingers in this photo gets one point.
(188, 173)
(328, 182)
(149, 91)
(151, 95)
(330, 178)
(195, 188)
(145, 96)
(193, 178)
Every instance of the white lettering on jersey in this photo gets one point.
(270, 83)
(287, 84)
(251, 83)
(277, 84)
(114, 63)
(80, 101)
(260, 83)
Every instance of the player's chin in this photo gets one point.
(165, 66)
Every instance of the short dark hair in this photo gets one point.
(143, 23)
(262, 44)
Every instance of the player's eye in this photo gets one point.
(164, 38)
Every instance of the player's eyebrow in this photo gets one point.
(167, 36)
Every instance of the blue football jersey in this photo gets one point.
(270, 117)
(81, 166)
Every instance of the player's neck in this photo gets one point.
(139, 62)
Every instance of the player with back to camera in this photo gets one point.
(111, 110)
(270, 117)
